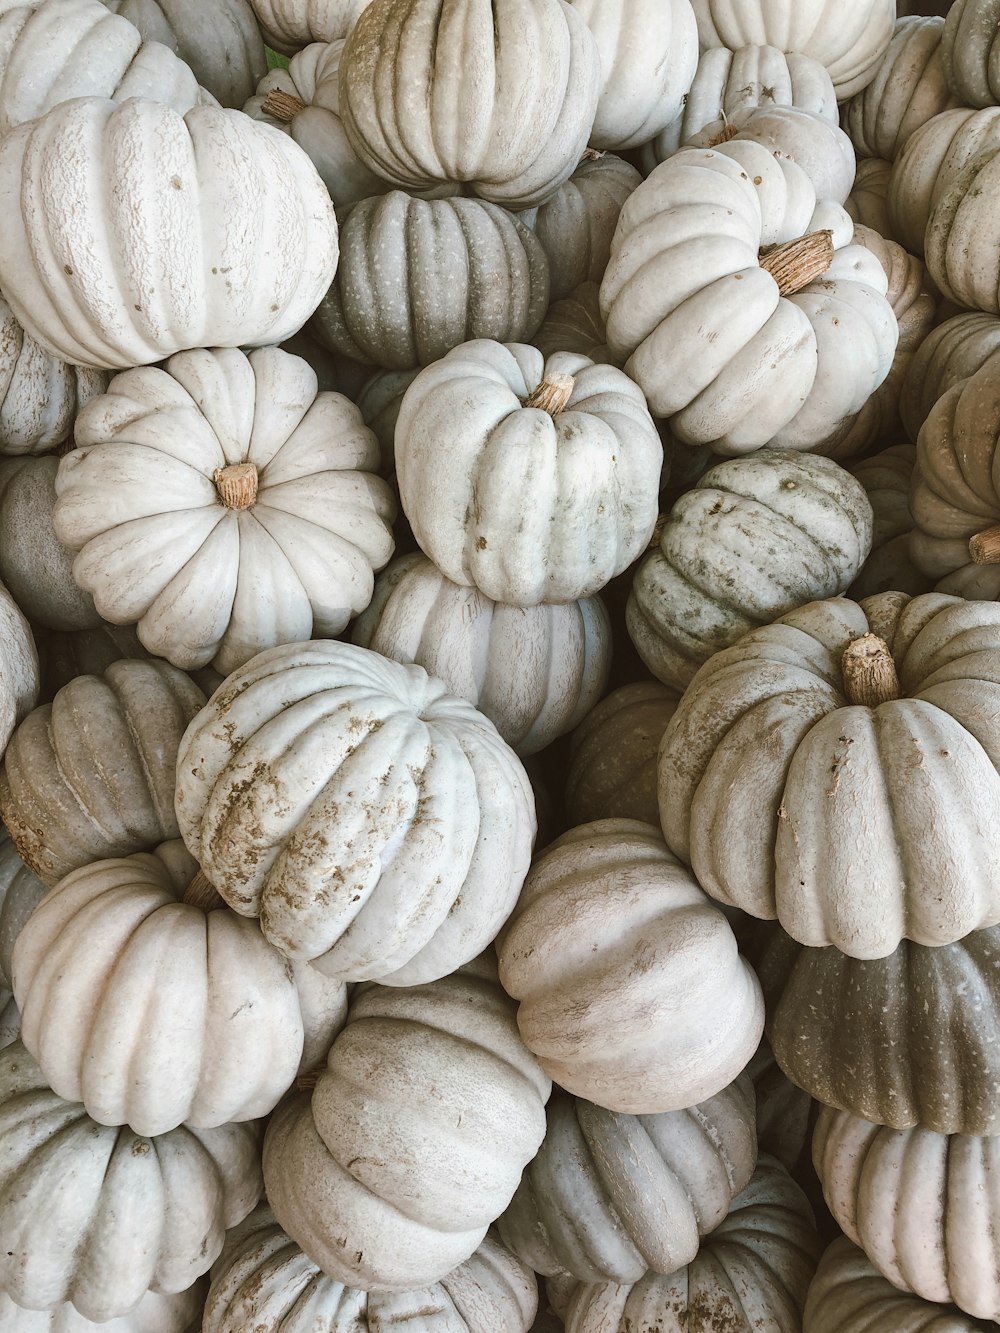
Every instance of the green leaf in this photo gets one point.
(275, 61)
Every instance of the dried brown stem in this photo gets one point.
(797, 263)
(552, 393)
(869, 672)
(984, 547)
(236, 484)
(201, 892)
(282, 106)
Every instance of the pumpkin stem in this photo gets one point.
(869, 672)
(237, 485)
(551, 394)
(797, 263)
(729, 131)
(984, 547)
(201, 892)
(591, 155)
(282, 106)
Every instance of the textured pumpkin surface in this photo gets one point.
(868, 202)
(389, 1173)
(291, 24)
(20, 894)
(962, 236)
(611, 1196)
(919, 170)
(970, 50)
(575, 324)
(97, 1215)
(209, 575)
(370, 818)
(856, 826)
(785, 1113)
(19, 679)
(952, 351)
(262, 1278)
(903, 1040)
(609, 923)
(886, 478)
(155, 1313)
(750, 1275)
(230, 241)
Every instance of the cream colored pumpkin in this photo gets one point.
(952, 351)
(963, 235)
(390, 1171)
(917, 173)
(610, 1196)
(155, 1313)
(886, 477)
(288, 25)
(868, 202)
(531, 480)
(19, 680)
(224, 506)
(375, 822)
(95, 1215)
(221, 234)
(20, 894)
(970, 51)
(501, 100)
(610, 923)
(91, 775)
(262, 1278)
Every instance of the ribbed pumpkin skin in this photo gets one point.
(970, 51)
(849, 1295)
(219, 40)
(534, 672)
(909, 87)
(419, 276)
(575, 324)
(376, 802)
(19, 678)
(868, 202)
(901, 1041)
(263, 1279)
(230, 241)
(97, 1215)
(20, 894)
(918, 174)
(878, 1182)
(289, 25)
(157, 544)
(784, 1112)
(849, 39)
(886, 477)
(415, 1136)
(155, 1313)
(833, 826)
(610, 1196)
(754, 538)
(609, 922)
(502, 100)
(962, 236)
(951, 352)
(752, 1273)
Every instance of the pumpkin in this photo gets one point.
(419, 276)
(609, 922)
(532, 480)
(91, 775)
(142, 1213)
(502, 101)
(150, 1007)
(289, 25)
(908, 88)
(849, 1295)
(753, 538)
(849, 38)
(304, 101)
(886, 477)
(39, 394)
(901, 1041)
(916, 175)
(575, 224)
(785, 1113)
(952, 351)
(609, 1196)
(879, 1181)
(263, 1277)
(534, 672)
(219, 39)
(970, 50)
(19, 678)
(611, 771)
(371, 819)
(218, 232)
(20, 894)
(155, 1313)
(735, 356)
(575, 324)
(864, 819)
(962, 235)
(389, 1172)
(224, 506)
(10, 1019)
(648, 54)
(379, 400)
(752, 1273)
(64, 655)
(868, 202)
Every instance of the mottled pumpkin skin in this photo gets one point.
(952, 351)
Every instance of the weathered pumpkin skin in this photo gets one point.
(886, 477)
(754, 538)
(901, 1041)
(502, 101)
(609, 1197)
(951, 352)
(387, 827)
(534, 672)
(833, 827)
(925, 160)
(970, 50)
(220, 40)
(91, 775)
(962, 236)
(751, 1274)
(265, 225)
(868, 202)
(263, 1279)
(412, 1142)
(155, 1313)
(849, 1295)
(289, 25)
(19, 673)
(96, 1216)
(608, 921)
(849, 39)
(909, 87)
(20, 894)
(877, 1182)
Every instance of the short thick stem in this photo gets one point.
(201, 892)
(984, 547)
(552, 393)
(237, 485)
(796, 264)
(869, 672)
(282, 106)
(729, 131)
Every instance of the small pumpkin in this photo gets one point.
(916, 174)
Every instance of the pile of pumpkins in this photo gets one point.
(499, 666)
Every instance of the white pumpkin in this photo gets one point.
(970, 51)
(19, 680)
(155, 1313)
(288, 25)
(917, 172)
(868, 202)
(952, 351)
